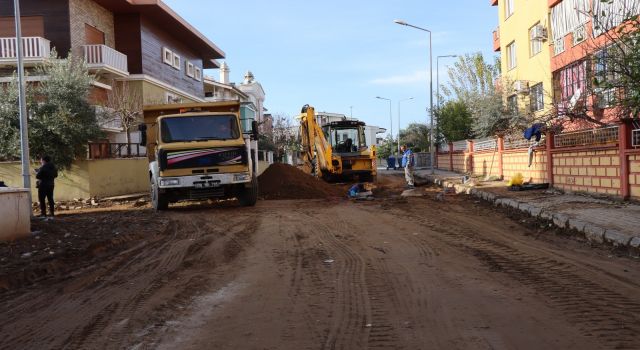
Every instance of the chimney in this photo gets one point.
(224, 73)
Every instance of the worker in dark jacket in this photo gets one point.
(46, 176)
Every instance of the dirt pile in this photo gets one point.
(283, 181)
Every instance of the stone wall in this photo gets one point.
(83, 12)
(517, 161)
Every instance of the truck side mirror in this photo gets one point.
(254, 130)
(143, 134)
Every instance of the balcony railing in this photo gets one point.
(496, 39)
(34, 48)
(104, 57)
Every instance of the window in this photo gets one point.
(572, 79)
(537, 97)
(606, 97)
(167, 56)
(198, 74)
(535, 40)
(208, 127)
(176, 61)
(512, 104)
(511, 55)
(604, 67)
(508, 8)
(190, 69)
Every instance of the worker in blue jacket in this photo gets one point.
(408, 163)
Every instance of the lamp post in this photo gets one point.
(24, 135)
(438, 86)
(431, 141)
(405, 99)
(390, 116)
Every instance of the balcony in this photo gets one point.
(105, 60)
(496, 40)
(36, 50)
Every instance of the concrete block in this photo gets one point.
(560, 220)
(577, 225)
(546, 215)
(617, 238)
(635, 242)
(594, 233)
(535, 211)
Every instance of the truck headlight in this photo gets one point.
(169, 182)
(241, 177)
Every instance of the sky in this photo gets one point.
(339, 55)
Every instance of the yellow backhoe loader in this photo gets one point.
(336, 151)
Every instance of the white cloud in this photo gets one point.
(418, 76)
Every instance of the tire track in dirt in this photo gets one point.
(606, 315)
(351, 311)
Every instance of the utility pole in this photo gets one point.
(24, 134)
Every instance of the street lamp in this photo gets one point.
(438, 86)
(431, 141)
(405, 99)
(390, 116)
(24, 134)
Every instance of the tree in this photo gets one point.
(388, 146)
(472, 81)
(455, 121)
(416, 135)
(9, 122)
(123, 106)
(285, 135)
(61, 120)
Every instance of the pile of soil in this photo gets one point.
(283, 181)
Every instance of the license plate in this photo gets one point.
(206, 184)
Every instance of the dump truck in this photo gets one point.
(199, 151)
(336, 151)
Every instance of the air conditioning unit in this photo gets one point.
(521, 86)
(539, 32)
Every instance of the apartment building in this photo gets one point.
(141, 42)
(579, 53)
(522, 40)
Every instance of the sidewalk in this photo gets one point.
(600, 220)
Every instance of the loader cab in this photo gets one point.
(346, 136)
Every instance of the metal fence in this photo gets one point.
(485, 144)
(599, 136)
(423, 159)
(521, 142)
(99, 150)
(460, 145)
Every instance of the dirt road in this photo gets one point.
(393, 273)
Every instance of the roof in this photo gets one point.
(159, 12)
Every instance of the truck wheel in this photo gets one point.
(158, 201)
(248, 196)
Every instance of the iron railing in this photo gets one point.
(520, 143)
(485, 145)
(98, 56)
(598, 136)
(34, 48)
(99, 150)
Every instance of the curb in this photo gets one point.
(593, 233)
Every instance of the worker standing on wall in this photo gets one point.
(407, 163)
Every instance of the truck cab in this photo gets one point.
(199, 151)
(347, 139)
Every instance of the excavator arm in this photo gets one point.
(316, 151)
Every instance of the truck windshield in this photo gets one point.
(345, 139)
(199, 128)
